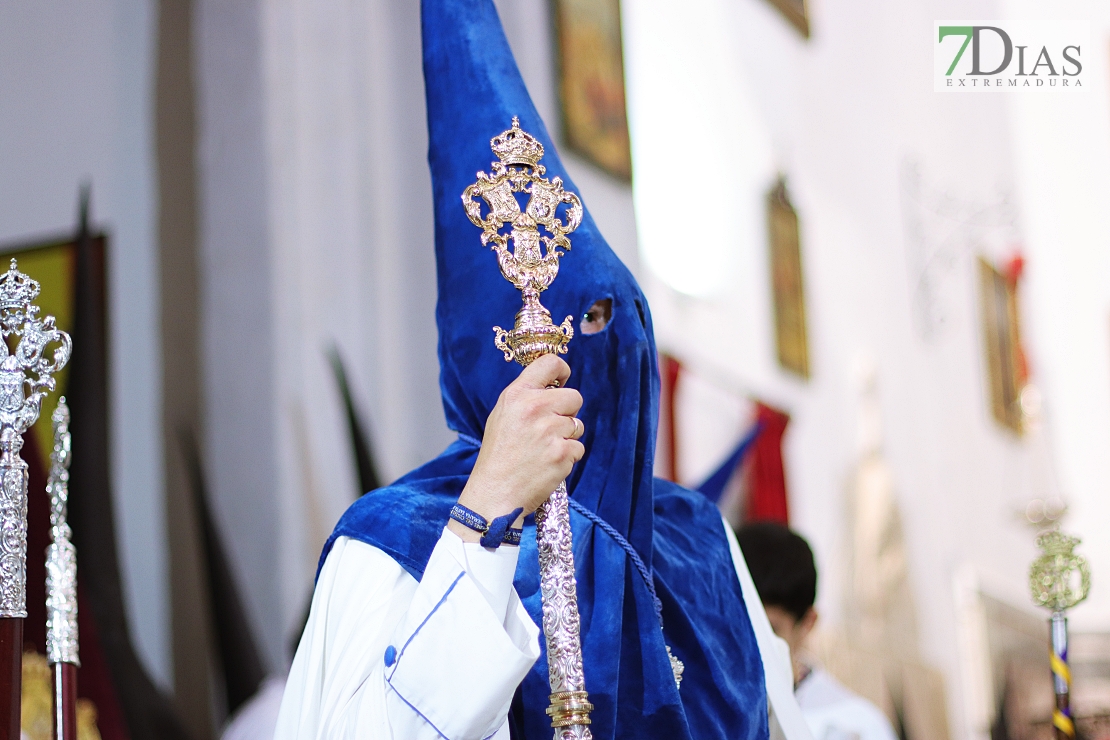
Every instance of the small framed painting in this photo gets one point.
(787, 285)
(591, 83)
(1002, 344)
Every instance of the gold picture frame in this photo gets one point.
(591, 83)
(1002, 345)
(787, 282)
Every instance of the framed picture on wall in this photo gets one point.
(795, 11)
(1002, 344)
(591, 83)
(787, 284)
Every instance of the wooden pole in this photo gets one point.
(11, 676)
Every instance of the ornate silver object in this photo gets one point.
(531, 270)
(677, 668)
(61, 555)
(25, 378)
(569, 710)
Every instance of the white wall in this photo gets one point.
(236, 296)
(1062, 148)
(850, 117)
(76, 105)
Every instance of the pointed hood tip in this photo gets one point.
(475, 94)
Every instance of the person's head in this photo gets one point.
(782, 567)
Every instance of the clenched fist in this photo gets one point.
(530, 445)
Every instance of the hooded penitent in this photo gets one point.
(473, 92)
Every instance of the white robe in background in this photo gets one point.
(386, 658)
(833, 712)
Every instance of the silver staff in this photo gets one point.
(25, 378)
(531, 270)
(61, 584)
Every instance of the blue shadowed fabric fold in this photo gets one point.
(473, 90)
(714, 486)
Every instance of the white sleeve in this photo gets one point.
(777, 669)
(383, 656)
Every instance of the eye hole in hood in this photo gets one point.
(596, 317)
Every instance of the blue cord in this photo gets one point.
(469, 440)
(608, 529)
(634, 556)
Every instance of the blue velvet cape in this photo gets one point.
(473, 90)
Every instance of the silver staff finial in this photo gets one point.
(61, 555)
(25, 378)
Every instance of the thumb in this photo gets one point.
(544, 372)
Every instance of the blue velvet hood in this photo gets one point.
(473, 90)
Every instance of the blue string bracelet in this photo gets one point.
(494, 533)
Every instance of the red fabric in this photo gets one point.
(766, 478)
(94, 679)
(1014, 269)
(669, 370)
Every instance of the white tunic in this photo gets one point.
(833, 712)
(384, 657)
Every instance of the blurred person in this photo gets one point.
(425, 625)
(781, 564)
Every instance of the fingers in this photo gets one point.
(577, 450)
(564, 454)
(563, 401)
(577, 428)
(546, 371)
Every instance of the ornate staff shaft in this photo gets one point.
(570, 707)
(61, 584)
(26, 376)
(1059, 579)
(531, 270)
(1061, 677)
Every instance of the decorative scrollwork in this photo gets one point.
(677, 668)
(533, 262)
(569, 710)
(1059, 579)
(26, 376)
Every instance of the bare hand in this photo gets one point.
(530, 445)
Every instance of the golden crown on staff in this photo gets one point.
(1059, 579)
(531, 270)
